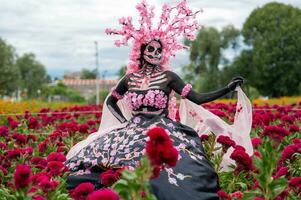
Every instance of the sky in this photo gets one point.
(62, 33)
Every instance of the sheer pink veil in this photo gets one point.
(205, 122)
(192, 115)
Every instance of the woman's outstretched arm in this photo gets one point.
(178, 85)
(116, 94)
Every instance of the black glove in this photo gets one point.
(238, 80)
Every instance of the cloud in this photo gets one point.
(62, 32)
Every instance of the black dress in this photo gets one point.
(192, 178)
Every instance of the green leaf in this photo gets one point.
(129, 175)
(277, 186)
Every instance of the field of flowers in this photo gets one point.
(33, 149)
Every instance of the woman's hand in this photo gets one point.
(238, 80)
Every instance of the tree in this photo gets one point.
(10, 73)
(33, 74)
(206, 55)
(88, 74)
(274, 34)
(122, 71)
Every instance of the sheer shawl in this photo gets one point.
(204, 122)
(192, 115)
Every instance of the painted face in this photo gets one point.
(152, 53)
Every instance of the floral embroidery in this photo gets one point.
(116, 94)
(186, 90)
(153, 98)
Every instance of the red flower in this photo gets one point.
(56, 168)
(204, 137)
(226, 142)
(39, 162)
(3, 146)
(289, 151)
(160, 148)
(54, 156)
(288, 119)
(296, 140)
(242, 159)
(12, 123)
(33, 123)
(108, 177)
(47, 185)
(277, 133)
(38, 197)
(237, 195)
(256, 142)
(158, 135)
(43, 146)
(223, 195)
(3, 170)
(82, 191)
(37, 178)
(281, 172)
(4, 131)
(20, 138)
(11, 154)
(104, 194)
(295, 184)
(22, 176)
(83, 128)
(293, 128)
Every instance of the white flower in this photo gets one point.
(172, 181)
(180, 176)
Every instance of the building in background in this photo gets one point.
(87, 87)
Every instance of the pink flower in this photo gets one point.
(103, 194)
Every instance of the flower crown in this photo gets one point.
(171, 25)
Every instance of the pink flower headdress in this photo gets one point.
(174, 22)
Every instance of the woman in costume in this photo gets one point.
(142, 100)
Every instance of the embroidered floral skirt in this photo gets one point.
(192, 178)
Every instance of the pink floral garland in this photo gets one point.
(153, 98)
(186, 90)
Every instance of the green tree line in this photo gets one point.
(22, 73)
(267, 53)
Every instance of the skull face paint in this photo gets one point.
(152, 53)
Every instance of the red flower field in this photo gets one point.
(33, 149)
